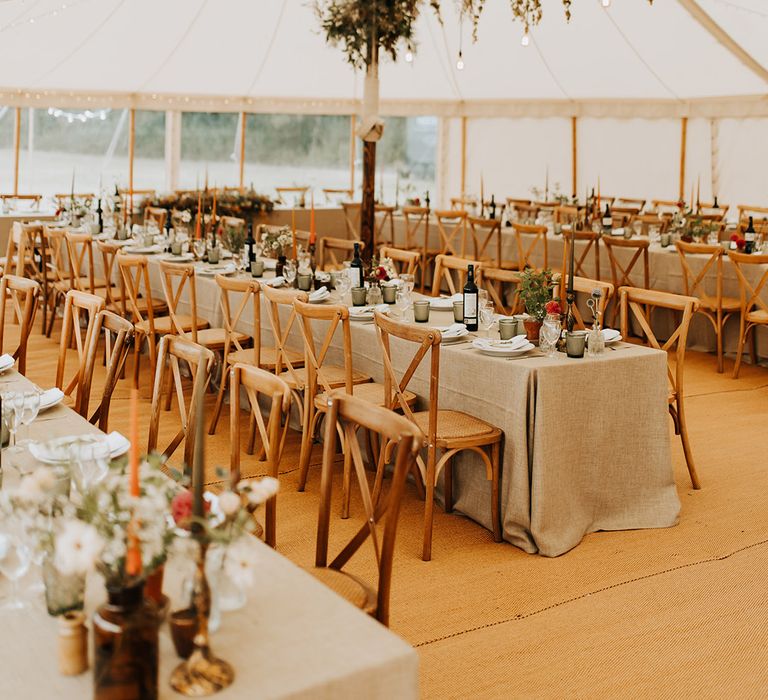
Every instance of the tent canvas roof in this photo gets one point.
(632, 59)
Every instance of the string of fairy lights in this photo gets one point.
(52, 12)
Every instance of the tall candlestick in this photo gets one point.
(571, 263)
(691, 196)
(293, 231)
(312, 232)
(213, 207)
(598, 193)
(199, 213)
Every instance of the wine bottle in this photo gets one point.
(607, 219)
(470, 300)
(250, 244)
(715, 205)
(356, 269)
(493, 207)
(749, 238)
(100, 216)
(426, 200)
(168, 223)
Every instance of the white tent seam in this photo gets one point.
(23, 13)
(724, 38)
(176, 47)
(267, 53)
(82, 44)
(448, 72)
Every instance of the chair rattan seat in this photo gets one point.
(729, 303)
(348, 587)
(335, 376)
(757, 316)
(372, 392)
(458, 426)
(268, 357)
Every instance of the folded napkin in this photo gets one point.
(609, 334)
(617, 231)
(366, 310)
(517, 342)
(6, 361)
(278, 281)
(269, 263)
(455, 330)
(50, 397)
(319, 294)
(118, 444)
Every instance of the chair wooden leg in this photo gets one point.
(719, 340)
(251, 432)
(346, 484)
(739, 351)
(307, 435)
(448, 485)
(429, 504)
(495, 491)
(219, 403)
(168, 391)
(136, 361)
(687, 447)
(753, 346)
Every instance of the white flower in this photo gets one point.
(77, 547)
(260, 491)
(45, 478)
(240, 562)
(186, 217)
(229, 502)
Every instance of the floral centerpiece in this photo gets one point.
(232, 238)
(247, 203)
(535, 290)
(276, 240)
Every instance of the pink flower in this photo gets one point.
(181, 508)
(553, 307)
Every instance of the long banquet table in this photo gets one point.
(586, 441)
(295, 638)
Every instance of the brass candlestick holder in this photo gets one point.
(202, 673)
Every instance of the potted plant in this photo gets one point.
(535, 291)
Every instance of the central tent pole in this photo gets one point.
(16, 149)
(683, 140)
(242, 151)
(574, 159)
(352, 154)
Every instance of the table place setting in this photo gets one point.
(318, 296)
(210, 270)
(6, 362)
(514, 347)
(365, 313)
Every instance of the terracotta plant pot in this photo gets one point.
(532, 328)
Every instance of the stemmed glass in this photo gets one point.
(485, 316)
(30, 407)
(342, 286)
(12, 403)
(15, 558)
(199, 248)
(549, 334)
(89, 463)
(289, 272)
(408, 282)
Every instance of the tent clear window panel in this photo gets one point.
(92, 146)
(208, 148)
(7, 117)
(286, 150)
(405, 160)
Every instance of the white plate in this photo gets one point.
(365, 313)
(144, 250)
(6, 362)
(49, 399)
(218, 269)
(503, 350)
(57, 451)
(170, 257)
(457, 332)
(444, 303)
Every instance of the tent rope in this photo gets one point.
(267, 53)
(178, 44)
(447, 71)
(81, 44)
(549, 69)
(640, 57)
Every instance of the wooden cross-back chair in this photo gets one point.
(416, 221)
(173, 350)
(80, 252)
(530, 241)
(156, 214)
(753, 308)
(584, 285)
(747, 210)
(335, 194)
(716, 308)
(665, 206)
(351, 414)
(63, 199)
(81, 310)
(352, 213)
(24, 297)
(709, 208)
(759, 224)
(463, 203)
(34, 198)
(524, 213)
(633, 202)
(405, 261)
(286, 366)
(322, 378)
(445, 430)
(61, 273)
(622, 272)
(234, 222)
(651, 221)
(499, 283)
(298, 193)
(114, 294)
(452, 227)
(333, 252)
(258, 383)
(386, 216)
(634, 303)
(486, 240)
(566, 214)
(445, 265)
(591, 241)
(118, 338)
(31, 261)
(134, 270)
(176, 279)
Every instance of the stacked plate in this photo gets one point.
(50, 398)
(64, 449)
(212, 270)
(610, 336)
(513, 347)
(6, 362)
(319, 295)
(453, 333)
(365, 313)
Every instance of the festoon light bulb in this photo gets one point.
(525, 40)
(460, 62)
(606, 3)
(409, 56)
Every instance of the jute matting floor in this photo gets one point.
(681, 612)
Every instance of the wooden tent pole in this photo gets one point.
(683, 143)
(131, 148)
(242, 151)
(574, 159)
(16, 149)
(463, 158)
(352, 153)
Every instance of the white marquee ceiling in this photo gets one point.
(268, 55)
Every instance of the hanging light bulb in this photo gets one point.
(525, 40)
(409, 55)
(460, 62)
(606, 3)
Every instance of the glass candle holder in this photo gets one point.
(421, 311)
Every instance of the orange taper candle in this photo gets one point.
(133, 553)
(199, 213)
(293, 231)
(312, 232)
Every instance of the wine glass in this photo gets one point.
(408, 282)
(30, 407)
(199, 247)
(89, 463)
(12, 403)
(289, 272)
(549, 335)
(15, 558)
(485, 316)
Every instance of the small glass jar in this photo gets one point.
(550, 334)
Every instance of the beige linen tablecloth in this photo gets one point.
(295, 638)
(586, 441)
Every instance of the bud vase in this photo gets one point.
(125, 646)
(63, 593)
(280, 266)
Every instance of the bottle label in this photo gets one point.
(470, 306)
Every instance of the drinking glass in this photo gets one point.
(637, 227)
(12, 403)
(199, 247)
(15, 558)
(30, 406)
(403, 303)
(408, 282)
(89, 463)
(343, 285)
(289, 272)
(485, 316)
(549, 335)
